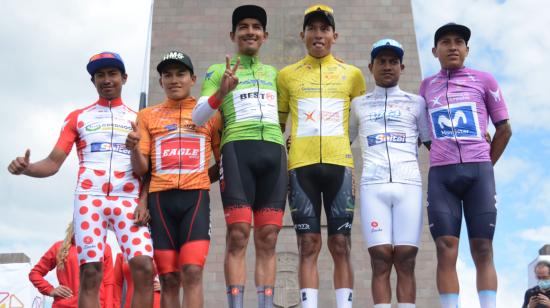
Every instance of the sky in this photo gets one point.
(45, 49)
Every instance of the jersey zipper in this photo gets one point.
(112, 149)
(259, 102)
(386, 133)
(179, 146)
(320, 113)
(450, 118)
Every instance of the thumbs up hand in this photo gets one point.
(20, 164)
(133, 137)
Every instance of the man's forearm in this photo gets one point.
(140, 162)
(503, 134)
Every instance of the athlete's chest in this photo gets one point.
(166, 123)
(320, 81)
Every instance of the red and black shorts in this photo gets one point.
(180, 228)
(253, 179)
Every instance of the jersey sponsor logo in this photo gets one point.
(253, 105)
(457, 120)
(171, 127)
(177, 153)
(209, 75)
(346, 226)
(375, 227)
(386, 137)
(391, 115)
(108, 147)
(495, 94)
(302, 227)
(255, 82)
(108, 127)
(315, 119)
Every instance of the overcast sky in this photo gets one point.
(46, 45)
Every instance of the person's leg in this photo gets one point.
(136, 243)
(235, 261)
(309, 246)
(142, 275)
(381, 258)
(170, 284)
(238, 187)
(407, 228)
(91, 275)
(192, 286)
(404, 260)
(164, 210)
(445, 185)
(265, 241)
(377, 226)
(194, 233)
(480, 214)
(339, 202)
(88, 219)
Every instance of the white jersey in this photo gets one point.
(389, 122)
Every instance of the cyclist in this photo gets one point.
(253, 177)
(460, 101)
(389, 122)
(178, 200)
(107, 189)
(317, 91)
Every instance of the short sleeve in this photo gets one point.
(69, 132)
(283, 97)
(422, 120)
(143, 129)
(359, 86)
(494, 102)
(211, 82)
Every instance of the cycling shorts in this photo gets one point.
(468, 187)
(391, 214)
(253, 179)
(93, 215)
(335, 184)
(180, 226)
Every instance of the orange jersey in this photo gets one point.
(179, 150)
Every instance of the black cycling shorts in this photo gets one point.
(180, 228)
(253, 179)
(333, 185)
(468, 187)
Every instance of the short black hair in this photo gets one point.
(543, 263)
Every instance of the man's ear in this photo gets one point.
(232, 36)
(124, 78)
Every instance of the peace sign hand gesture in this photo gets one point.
(229, 79)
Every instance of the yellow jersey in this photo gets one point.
(317, 94)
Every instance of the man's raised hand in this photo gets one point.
(133, 137)
(20, 164)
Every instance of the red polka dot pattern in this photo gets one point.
(86, 184)
(128, 187)
(99, 172)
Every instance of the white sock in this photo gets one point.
(309, 297)
(449, 300)
(406, 305)
(344, 297)
(382, 306)
(487, 298)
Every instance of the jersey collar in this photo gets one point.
(109, 103)
(246, 60)
(187, 103)
(383, 91)
(445, 72)
(324, 60)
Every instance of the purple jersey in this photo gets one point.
(459, 104)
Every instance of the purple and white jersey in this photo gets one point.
(459, 104)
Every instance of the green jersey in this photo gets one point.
(250, 110)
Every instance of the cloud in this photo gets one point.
(507, 40)
(508, 294)
(539, 235)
